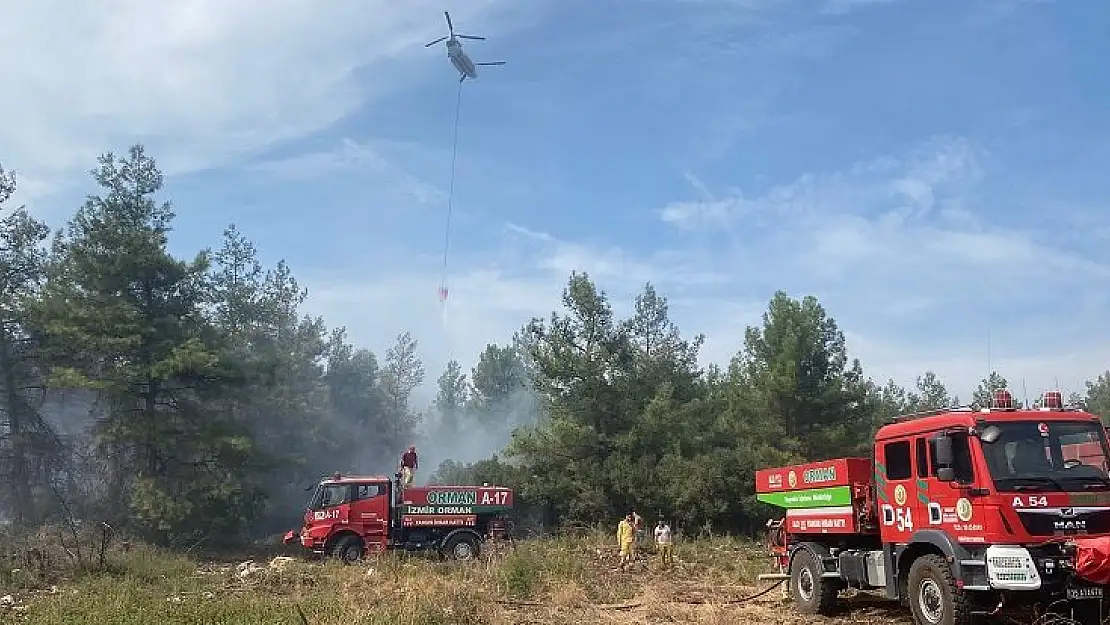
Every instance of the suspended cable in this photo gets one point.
(450, 197)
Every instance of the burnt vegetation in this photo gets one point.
(189, 401)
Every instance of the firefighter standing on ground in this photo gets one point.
(664, 542)
(409, 465)
(625, 537)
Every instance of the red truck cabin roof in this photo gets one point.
(968, 418)
(355, 479)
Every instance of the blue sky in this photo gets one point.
(932, 170)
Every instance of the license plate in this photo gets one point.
(1085, 592)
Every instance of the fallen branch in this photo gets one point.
(736, 601)
(540, 604)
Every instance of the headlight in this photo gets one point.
(1011, 568)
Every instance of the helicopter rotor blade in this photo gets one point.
(491, 63)
(450, 26)
(470, 37)
(432, 43)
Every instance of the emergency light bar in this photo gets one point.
(1052, 400)
(1002, 399)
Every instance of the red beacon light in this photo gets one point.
(1052, 400)
(1002, 399)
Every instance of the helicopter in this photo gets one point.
(467, 68)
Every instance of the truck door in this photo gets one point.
(333, 506)
(895, 485)
(371, 514)
(961, 511)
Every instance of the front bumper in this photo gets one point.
(305, 539)
(1059, 580)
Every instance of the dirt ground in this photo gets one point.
(672, 603)
(710, 583)
(542, 582)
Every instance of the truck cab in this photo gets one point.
(1005, 487)
(965, 511)
(348, 517)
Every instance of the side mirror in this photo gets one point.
(944, 453)
(944, 458)
(991, 434)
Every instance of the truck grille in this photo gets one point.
(1064, 522)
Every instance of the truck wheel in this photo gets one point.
(348, 549)
(934, 597)
(812, 593)
(462, 547)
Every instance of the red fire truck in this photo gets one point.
(349, 516)
(959, 513)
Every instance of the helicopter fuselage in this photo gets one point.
(460, 60)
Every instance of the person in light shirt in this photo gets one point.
(638, 528)
(664, 542)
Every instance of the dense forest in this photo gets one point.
(191, 399)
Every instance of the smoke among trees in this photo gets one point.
(191, 400)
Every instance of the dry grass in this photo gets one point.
(550, 581)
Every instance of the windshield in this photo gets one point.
(1068, 456)
(329, 496)
(314, 497)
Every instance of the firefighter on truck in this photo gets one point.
(960, 513)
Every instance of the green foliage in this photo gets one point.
(983, 396)
(574, 579)
(214, 400)
(25, 439)
(633, 421)
(451, 400)
(1098, 396)
(522, 575)
(198, 370)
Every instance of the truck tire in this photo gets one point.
(348, 549)
(933, 595)
(463, 546)
(812, 593)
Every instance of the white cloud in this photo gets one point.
(201, 82)
(352, 157)
(484, 306)
(701, 213)
(894, 247)
(1030, 368)
(891, 244)
(900, 241)
(495, 293)
(889, 216)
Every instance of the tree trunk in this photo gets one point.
(20, 478)
(150, 406)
